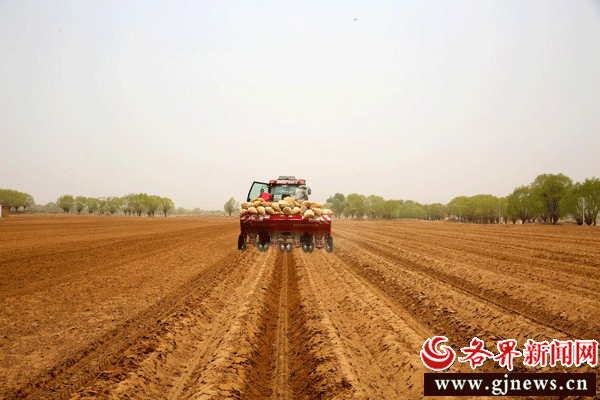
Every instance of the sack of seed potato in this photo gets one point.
(309, 214)
(287, 206)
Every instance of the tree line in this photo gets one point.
(359, 206)
(130, 204)
(552, 197)
(547, 199)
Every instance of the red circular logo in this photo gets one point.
(434, 359)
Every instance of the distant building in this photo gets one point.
(4, 213)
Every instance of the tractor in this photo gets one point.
(283, 231)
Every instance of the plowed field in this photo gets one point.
(148, 308)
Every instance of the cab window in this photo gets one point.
(256, 190)
(279, 192)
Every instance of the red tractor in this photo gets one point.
(266, 231)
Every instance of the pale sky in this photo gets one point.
(421, 100)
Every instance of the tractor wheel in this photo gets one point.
(241, 242)
(329, 244)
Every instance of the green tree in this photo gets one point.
(457, 206)
(15, 199)
(166, 205)
(10, 198)
(590, 193)
(391, 208)
(102, 205)
(356, 204)
(6, 197)
(412, 209)
(24, 201)
(92, 204)
(231, 206)
(80, 203)
(336, 203)
(138, 203)
(483, 208)
(512, 208)
(375, 206)
(468, 210)
(113, 204)
(436, 211)
(550, 189)
(65, 202)
(152, 203)
(521, 204)
(347, 212)
(573, 203)
(126, 204)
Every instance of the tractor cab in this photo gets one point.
(279, 188)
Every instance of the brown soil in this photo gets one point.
(146, 308)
